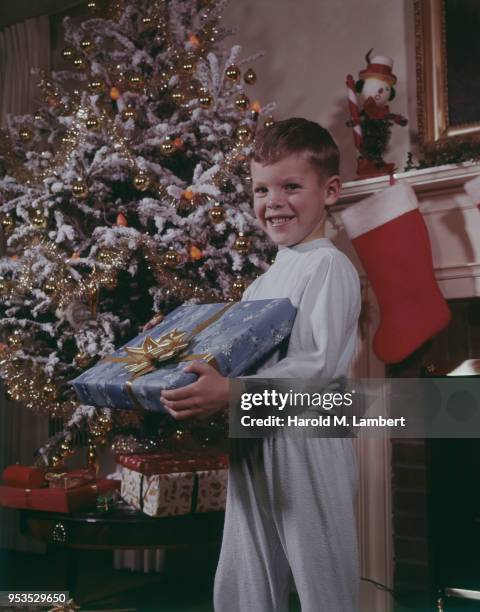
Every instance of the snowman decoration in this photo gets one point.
(372, 123)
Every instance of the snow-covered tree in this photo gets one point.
(124, 195)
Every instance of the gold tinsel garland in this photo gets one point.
(26, 382)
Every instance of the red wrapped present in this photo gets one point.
(24, 476)
(168, 462)
(169, 484)
(57, 500)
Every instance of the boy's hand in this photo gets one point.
(153, 321)
(204, 397)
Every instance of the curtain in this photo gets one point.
(23, 46)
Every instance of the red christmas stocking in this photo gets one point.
(391, 240)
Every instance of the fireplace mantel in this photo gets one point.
(427, 182)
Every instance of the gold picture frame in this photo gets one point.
(441, 118)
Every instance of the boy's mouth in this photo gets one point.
(278, 221)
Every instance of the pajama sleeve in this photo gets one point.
(325, 324)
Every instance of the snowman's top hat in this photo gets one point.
(379, 67)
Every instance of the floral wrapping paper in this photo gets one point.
(175, 493)
(245, 334)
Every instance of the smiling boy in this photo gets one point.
(290, 503)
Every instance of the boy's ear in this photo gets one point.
(332, 189)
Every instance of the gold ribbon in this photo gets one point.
(146, 358)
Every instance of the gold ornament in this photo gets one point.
(38, 219)
(243, 134)
(232, 72)
(178, 96)
(15, 340)
(188, 66)
(122, 220)
(268, 122)
(147, 22)
(79, 62)
(135, 82)
(217, 213)
(92, 6)
(50, 285)
(171, 258)
(86, 45)
(50, 391)
(114, 93)
(96, 85)
(167, 147)
(25, 134)
(250, 77)
(8, 223)
(83, 360)
(205, 100)
(129, 113)
(242, 243)
(56, 460)
(68, 52)
(238, 287)
(91, 122)
(142, 181)
(79, 188)
(242, 102)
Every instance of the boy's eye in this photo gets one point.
(292, 186)
(260, 190)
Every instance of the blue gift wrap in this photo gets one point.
(233, 337)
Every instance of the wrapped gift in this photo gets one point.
(178, 461)
(57, 500)
(69, 480)
(24, 476)
(175, 486)
(231, 337)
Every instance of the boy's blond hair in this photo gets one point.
(298, 136)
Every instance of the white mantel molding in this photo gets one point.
(427, 182)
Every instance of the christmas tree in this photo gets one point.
(125, 195)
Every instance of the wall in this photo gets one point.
(311, 45)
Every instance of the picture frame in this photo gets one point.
(448, 82)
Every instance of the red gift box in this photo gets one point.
(24, 476)
(57, 500)
(173, 462)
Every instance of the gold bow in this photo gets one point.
(143, 359)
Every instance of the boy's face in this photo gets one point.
(289, 199)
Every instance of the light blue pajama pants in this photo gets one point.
(290, 511)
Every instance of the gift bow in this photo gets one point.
(143, 359)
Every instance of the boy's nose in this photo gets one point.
(275, 201)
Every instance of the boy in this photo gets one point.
(290, 506)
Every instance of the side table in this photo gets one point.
(122, 527)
